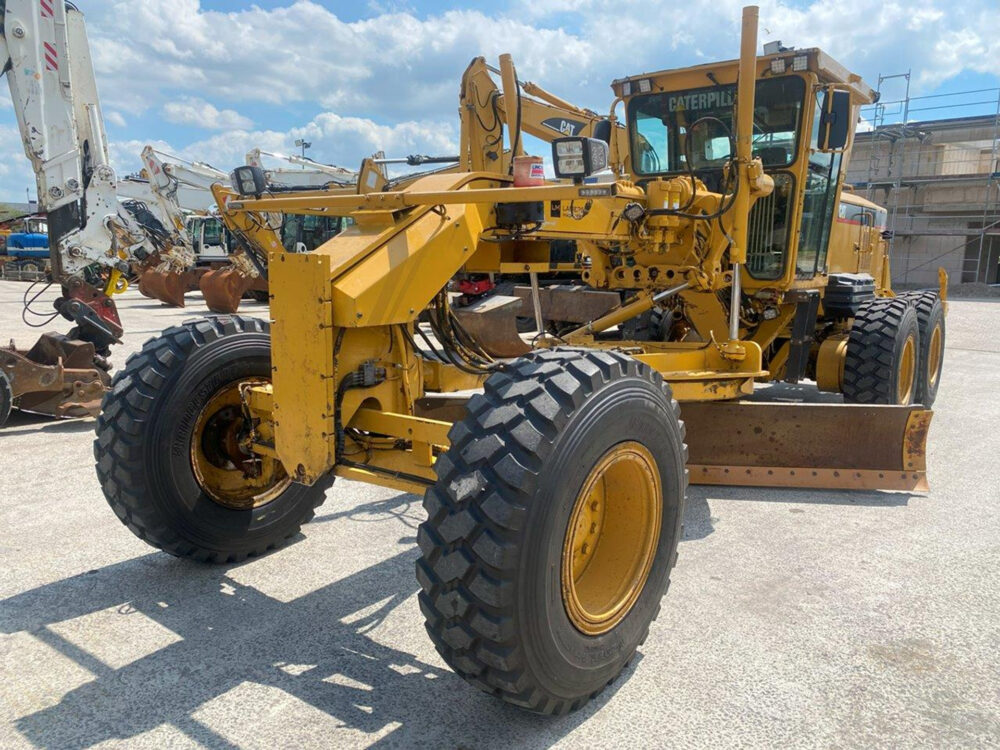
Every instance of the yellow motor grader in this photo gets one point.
(554, 482)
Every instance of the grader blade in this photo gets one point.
(167, 287)
(223, 289)
(823, 446)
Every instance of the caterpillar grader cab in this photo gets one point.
(553, 482)
(94, 239)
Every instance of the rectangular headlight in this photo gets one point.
(800, 63)
(778, 65)
(571, 165)
(248, 180)
(578, 157)
(571, 147)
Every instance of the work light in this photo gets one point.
(248, 180)
(577, 158)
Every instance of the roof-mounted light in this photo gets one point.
(778, 65)
(800, 63)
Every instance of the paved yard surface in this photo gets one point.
(796, 618)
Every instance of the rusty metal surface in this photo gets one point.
(836, 446)
(57, 376)
(829, 479)
(569, 303)
(223, 289)
(492, 321)
(168, 287)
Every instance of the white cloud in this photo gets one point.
(341, 140)
(115, 118)
(201, 114)
(390, 81)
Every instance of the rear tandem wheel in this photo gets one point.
(930, 320)
(883, 353)
(553, 526)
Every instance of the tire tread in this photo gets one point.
(127, 407)
(476, 511)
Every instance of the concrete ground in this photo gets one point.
(795, 618)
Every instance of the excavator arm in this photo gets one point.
(94, 240)
(487, 109)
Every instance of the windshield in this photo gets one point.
(659, 124)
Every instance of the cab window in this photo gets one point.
(213, 232)
(659, 123)
(819, 203)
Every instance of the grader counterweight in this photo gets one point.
(554, 494)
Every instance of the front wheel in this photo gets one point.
(553, 526)
(172, 446)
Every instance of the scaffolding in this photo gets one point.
(934, 163)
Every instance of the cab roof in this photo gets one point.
(825, 67)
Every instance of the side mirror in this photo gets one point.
(834, 121)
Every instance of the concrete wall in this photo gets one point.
(934, 218)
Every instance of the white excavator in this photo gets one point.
(247, 274)
(181, 191)
(95, 240)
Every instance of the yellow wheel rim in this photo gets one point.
(611, 539)
(934, 357)
(224, 466)
(907, 372)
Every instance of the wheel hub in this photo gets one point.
(611, 538)
(934, 357)
(224, 464)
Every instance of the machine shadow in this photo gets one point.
(869, 498)
(698, 519)
(316, 648)
(48, 423)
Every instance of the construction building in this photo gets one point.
(938, 177)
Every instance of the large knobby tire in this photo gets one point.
(6, 398)
(512, 601)
(883, 353)
(167, 446)
(930, 320)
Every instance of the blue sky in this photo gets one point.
(208, 80)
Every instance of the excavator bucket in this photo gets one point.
(831, 446)
(223, 289)
(167, 287)
(57, 376)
